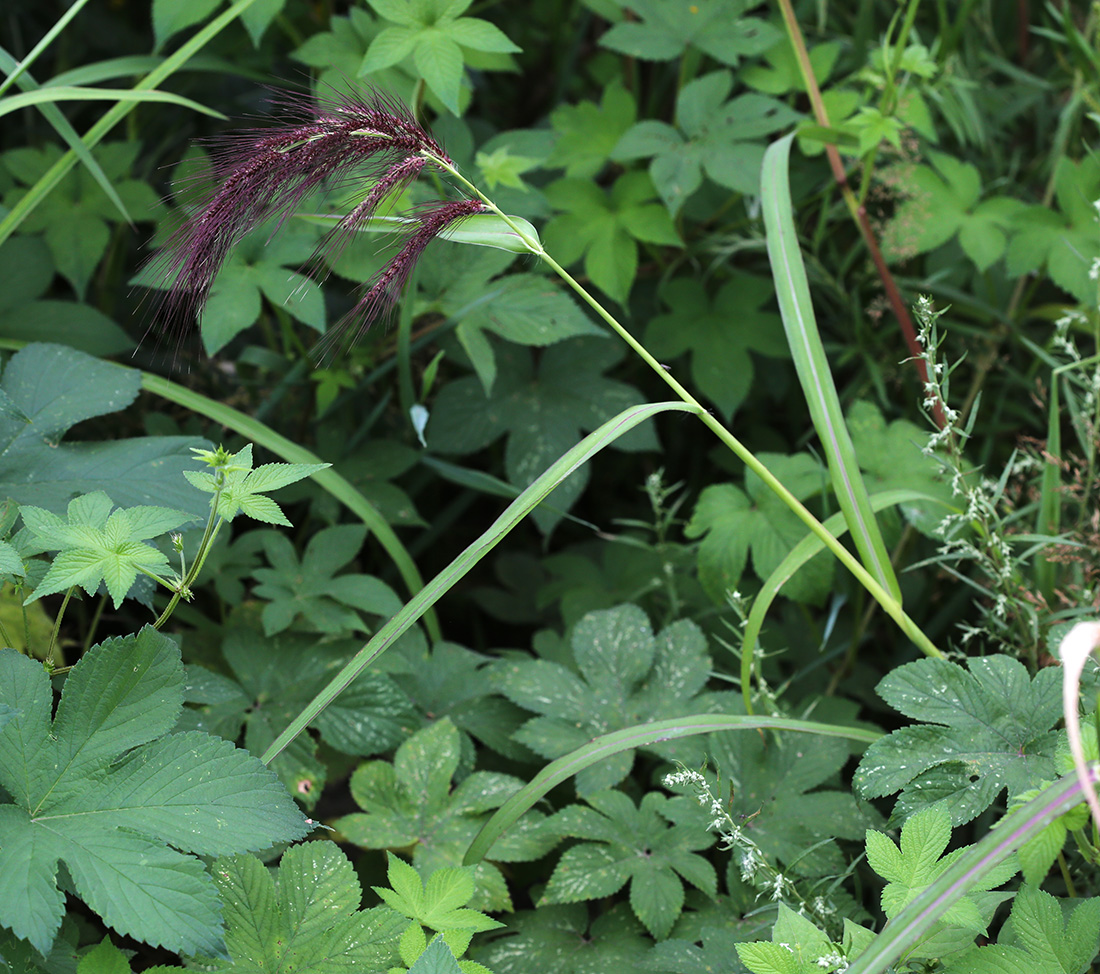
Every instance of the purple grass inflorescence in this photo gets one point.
(262, 174)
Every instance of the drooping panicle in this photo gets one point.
(384, 292)
(262, 174)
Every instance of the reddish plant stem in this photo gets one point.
(857, 210)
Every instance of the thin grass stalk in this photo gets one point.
(878, 592)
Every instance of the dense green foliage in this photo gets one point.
(671, 578)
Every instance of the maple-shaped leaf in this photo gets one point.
(943, 202)
(1040, 937)
(587, 132)
(127, 807)
(275, 678)
(627, 843)
(719, 334)
(733, 522)
(242, 488)
(667, 28)
(721, 138)
(564, 942)
(304, 919)
(542, 409)
(982, 732)
(625, 675)
(438, 905)
(38, 468)
(605, 227)
(309, 587)
(777, 798)
(95, 544)
(909, 868)
(412, 803)
(1066, 239)
(74, 216)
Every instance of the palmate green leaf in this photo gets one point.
(310, 587)
(127, 809)
(627, 676)
(630, 844)
(542, 409)
(983, 731)
(718, 137)
(891, 458)
(438, 905)
(95, 544)
(39, 469)
(564, 942)
(75, 218)
(525, 309)
(587, 133)
(1066, 238)
(605, 228)
(735, 522)
(435, 38)
(412, 803)
(944, 202)
(720, 334)
(717, 953)
(1040, 937)
(451, 681)
(668, 27)
(777, 788)
(305, 919)
(275, 678)
(918, 862)
(243, 488)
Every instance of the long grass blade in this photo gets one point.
(53, 94)
(808, 353)
(633, 737)
(68, 134)
(470, 556)
(49, 179)
(22, 66)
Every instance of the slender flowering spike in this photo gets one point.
(385, 291)
(265, 173)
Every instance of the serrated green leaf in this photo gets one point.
(411, 803)
(96, 546)
(660, 677)
(987, 730)
(305, 918)
(100, 789)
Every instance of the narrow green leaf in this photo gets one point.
(812, 365)
(41, 96)
(471, 555)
